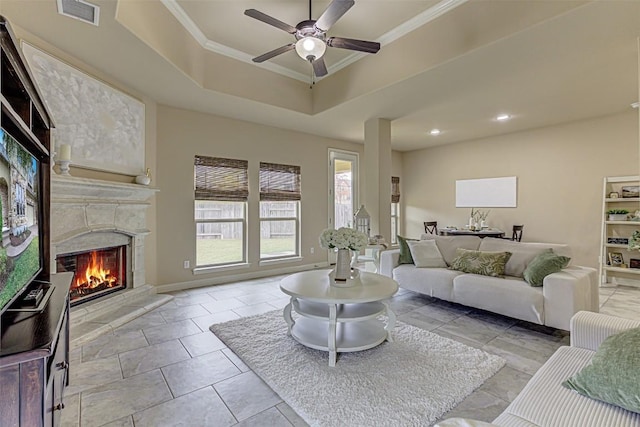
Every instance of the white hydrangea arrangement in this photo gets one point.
(343, 238)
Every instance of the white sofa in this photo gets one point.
(562, 295)
(544, 402)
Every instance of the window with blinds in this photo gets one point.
(280, 196)
(221, 179)
(395, 209)
(221, 194)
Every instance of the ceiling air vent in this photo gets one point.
(79, 9)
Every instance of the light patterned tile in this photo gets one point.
(122, 398)
(200, 408)
(94, 373)
(272, 417)
(189, 375)
(204, 322)
(217, 306)
(170, 331)
(183, 312)
(246, 395)
(252, 310)
(109, 345)
(202, 343)
(155, 356)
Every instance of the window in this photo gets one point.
(279, 211)
(221, 193)
(395, 209)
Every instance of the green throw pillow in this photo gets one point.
(478, 262)
(614, 373)
(405, 252)
(542, 265)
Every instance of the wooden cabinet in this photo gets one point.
(34, 360)
(616, 260)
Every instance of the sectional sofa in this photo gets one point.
(545, 402)
(561, 295)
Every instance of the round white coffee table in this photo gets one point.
(338, 319)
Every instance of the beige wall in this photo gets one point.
(560, 173)
(183, 134)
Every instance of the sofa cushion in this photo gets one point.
(405, 252)
(545, 402)
(478, 262)
(449, 244)
(425, 253)
(614, 373)
(542, 265)
(521, 253)
(434, 282)
(509, 296)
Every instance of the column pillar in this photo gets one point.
(376, 194)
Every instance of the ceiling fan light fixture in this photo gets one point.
(310, 48)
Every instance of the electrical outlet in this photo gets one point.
(312, 250)
(186, 264)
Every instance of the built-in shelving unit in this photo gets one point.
(611, 274)
(34, 345)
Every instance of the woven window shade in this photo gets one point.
(221, 179)
(279, 182)
(395, 189)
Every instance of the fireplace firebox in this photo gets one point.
(97, 272)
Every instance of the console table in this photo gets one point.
(337, 319)
(489, 232)
(34, 360)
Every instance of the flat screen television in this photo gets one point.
(21, 249)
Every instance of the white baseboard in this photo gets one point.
(200, 283)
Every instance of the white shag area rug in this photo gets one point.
(411, 381)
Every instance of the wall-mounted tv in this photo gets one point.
(21, 249)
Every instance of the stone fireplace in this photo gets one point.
(93, 217)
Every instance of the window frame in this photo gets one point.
(395, 213)
(396, 216)
(280, 183)
(296, 219)
(206, 193)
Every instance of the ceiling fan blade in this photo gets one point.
(319, 67)
(270, 20)
(336, 9)
(352, 44)
(274, 52)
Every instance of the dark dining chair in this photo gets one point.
(517, 233)
(431, 227)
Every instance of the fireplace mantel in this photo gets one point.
(72, 189)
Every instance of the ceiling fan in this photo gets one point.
(311, 36)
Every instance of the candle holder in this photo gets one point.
(64, 166)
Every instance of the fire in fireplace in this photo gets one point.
(97, 273)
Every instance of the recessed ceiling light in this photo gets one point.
(503, 117)
(435, 131)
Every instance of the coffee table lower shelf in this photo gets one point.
(349, 336)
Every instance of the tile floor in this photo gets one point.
(167, 369)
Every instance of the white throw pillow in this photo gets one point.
(425, 253)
